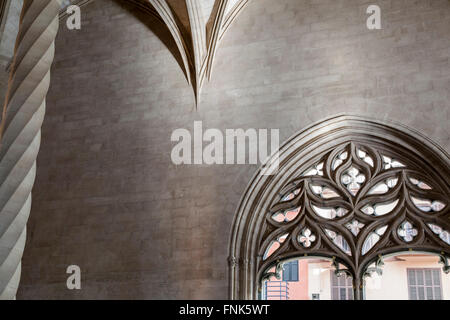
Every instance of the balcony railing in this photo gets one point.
(277, 290)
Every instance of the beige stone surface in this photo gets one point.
(108, 198)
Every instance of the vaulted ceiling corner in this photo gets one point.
(196, 26)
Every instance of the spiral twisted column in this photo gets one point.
(20, 130)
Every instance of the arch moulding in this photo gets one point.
(250, 232)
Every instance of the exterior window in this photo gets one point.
(424, 284)
(290, 272)
(341, 287)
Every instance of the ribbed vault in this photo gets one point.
(196, 26)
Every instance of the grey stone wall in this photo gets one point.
(7, 42)
(11, 27)
(108, 198)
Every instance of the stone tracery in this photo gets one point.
(357, 196)
(369, 208)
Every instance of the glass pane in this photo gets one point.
(436, 277)
(342, 295)
(437, 293)
(335, 281)
(349, 281)
(412, 277)
(341, 281)
(419, 278)
(421, 292)
(335, 293)
(429, 291)
(413, 292)
(428, 280)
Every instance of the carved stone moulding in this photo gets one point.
(349, 189)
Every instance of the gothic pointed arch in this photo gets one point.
(349, 189)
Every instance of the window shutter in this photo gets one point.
(411, 277)
(412, 293)
(290, 272)
(295, 271)
(421, 293)
(437, 293)
(428, 278)
(419, 277)
(436, 275)
(350, 294)
(424, 284)
(334, 279)
(335, 293)
(286, 271)
(342, 295)
(341, 287)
